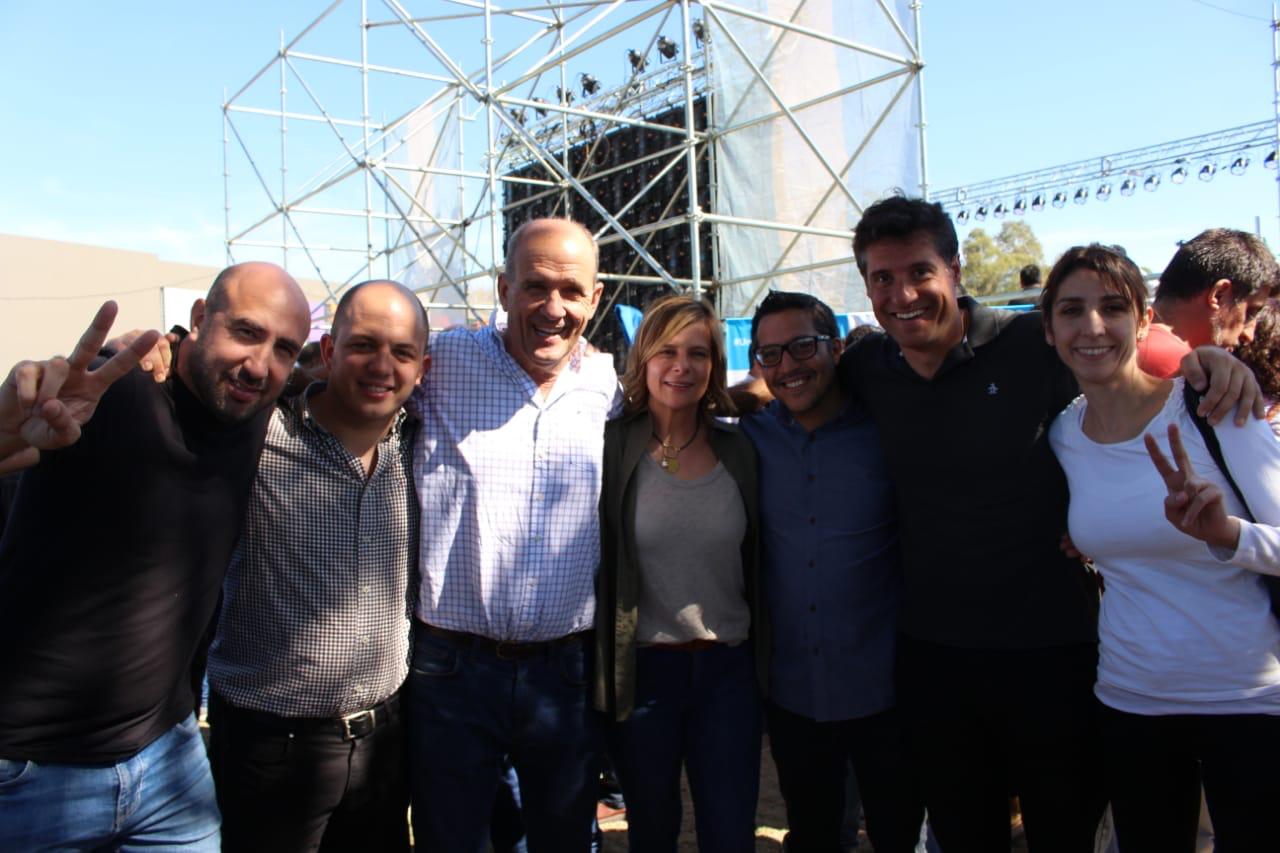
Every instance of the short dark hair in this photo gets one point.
(309, 354)
(1262, 354)
(342, 312)
(1029, 276)
(857, 333)
(824, 320)
(899, 218)
(1217, 254)
(1118, 273)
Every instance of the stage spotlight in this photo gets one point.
(590, 85)
(667, 49)
(1207, 171)
(563, 96)
(1000, 211)
(962, 217)
(981, 213)
(1082, 195)
(700, 32)
(1020, 206)
(1270, 161)
(1128, 186)
(518, 115)
(1179, 174)
(637, 60)
(1151, 183)
(1239, 165)
(541, 111)
(1037, 203)
(1103, 193)
(1059, 199)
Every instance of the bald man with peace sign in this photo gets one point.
(132, 500)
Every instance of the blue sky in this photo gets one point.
(112, 127)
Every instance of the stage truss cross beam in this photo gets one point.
(380, 139)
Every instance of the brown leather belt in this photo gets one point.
(503, 649)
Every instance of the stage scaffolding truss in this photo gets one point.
(385, 138)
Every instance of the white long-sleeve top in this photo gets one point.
(1184, 628)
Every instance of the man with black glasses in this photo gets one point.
(833, 585)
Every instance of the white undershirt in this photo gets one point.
(1182, 629)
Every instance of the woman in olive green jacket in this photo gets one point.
(679, 621)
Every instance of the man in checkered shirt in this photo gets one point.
(313, 641)
(507, 467)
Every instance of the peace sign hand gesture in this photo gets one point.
(1193, 505)
(43, 404)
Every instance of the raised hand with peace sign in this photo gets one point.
(1194, 505)
(43, 404)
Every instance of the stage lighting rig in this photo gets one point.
(564, 97)
(700, 32)
(637, 60)
(590, 85)
(541, 111)
(667, 49)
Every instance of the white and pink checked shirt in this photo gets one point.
(509, 485)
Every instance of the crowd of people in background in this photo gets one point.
(970, 554)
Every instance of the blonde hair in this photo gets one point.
(664, 319)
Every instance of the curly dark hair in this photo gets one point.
(1262, 354)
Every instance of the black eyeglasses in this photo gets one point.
(801, 349)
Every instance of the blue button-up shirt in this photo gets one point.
(832, 570)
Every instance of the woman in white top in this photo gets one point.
(1189, 658)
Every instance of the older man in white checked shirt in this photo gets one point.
(507, 466)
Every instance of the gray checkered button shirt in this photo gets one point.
(317, 608)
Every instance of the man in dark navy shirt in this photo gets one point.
(103, 599)
(833, 587)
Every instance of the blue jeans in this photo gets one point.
(159, 800)
(700, 709)
(468, 709)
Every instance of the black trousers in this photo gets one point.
(285, 785)
(813, 759)
(1154, 768)
(984, 724)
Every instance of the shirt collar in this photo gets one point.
(300, 407)
(983, 326)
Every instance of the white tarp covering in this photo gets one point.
(432, 257)
(869, 138)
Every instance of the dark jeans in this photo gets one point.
(287, 785)
(468, 710)
(699, 709)
(985, 723)
(1156, 764)
(812, 760)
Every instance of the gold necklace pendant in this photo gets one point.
(670, 458)
(670, 453)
